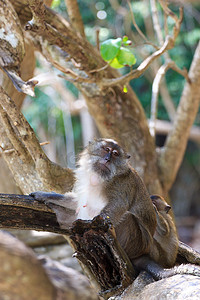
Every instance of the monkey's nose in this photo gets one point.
(107, 157)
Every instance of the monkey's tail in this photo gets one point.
(157, 272)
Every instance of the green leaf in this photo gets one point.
(126, 57)
(115, 64)
(110, 48)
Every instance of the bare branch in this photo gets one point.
(168, 11)
(171, 155)
(164, 127)
(156, 22)
(138, 29)
(97, 39)
(75, 16)
(154, 98)
(155, 90)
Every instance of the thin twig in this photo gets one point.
(183, 72)
(97, 39)
(44, 143)
(156, 22)
(141, 34)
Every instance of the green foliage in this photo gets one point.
(116, 53)
(110, 48)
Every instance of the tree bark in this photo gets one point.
(172, 154)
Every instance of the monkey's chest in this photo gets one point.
(90, 202)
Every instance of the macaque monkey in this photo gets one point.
(107, 185)
(166, 241)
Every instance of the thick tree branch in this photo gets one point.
(171, 155)
(94, 241)
(23, 212)
(29, 150)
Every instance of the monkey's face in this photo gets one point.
(107, 158)
(160, 203)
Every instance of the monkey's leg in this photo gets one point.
(148, 265)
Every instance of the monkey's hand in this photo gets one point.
(104, 221)
(46, 196)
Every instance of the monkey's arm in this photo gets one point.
(64, 206)
(46, 196)
(114, 211)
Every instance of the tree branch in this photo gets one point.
(171, 155)
(141, 34)
(94, 241)
(168, 44)
(25, 142)
(23, 212)
(156, 86)
(75, 16)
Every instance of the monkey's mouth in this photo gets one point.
(102, 169)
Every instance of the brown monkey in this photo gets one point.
(163, 251)
(165, 246)
(107, 185)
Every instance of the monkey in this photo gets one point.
(108, 186)
(163, 252)
(165, 237)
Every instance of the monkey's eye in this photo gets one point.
(115, 153)
(107, 149)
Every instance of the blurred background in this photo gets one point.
(59, 114)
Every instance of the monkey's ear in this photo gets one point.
(128, 156)
(167, 208)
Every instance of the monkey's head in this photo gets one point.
(106, 158)
(160, 203)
